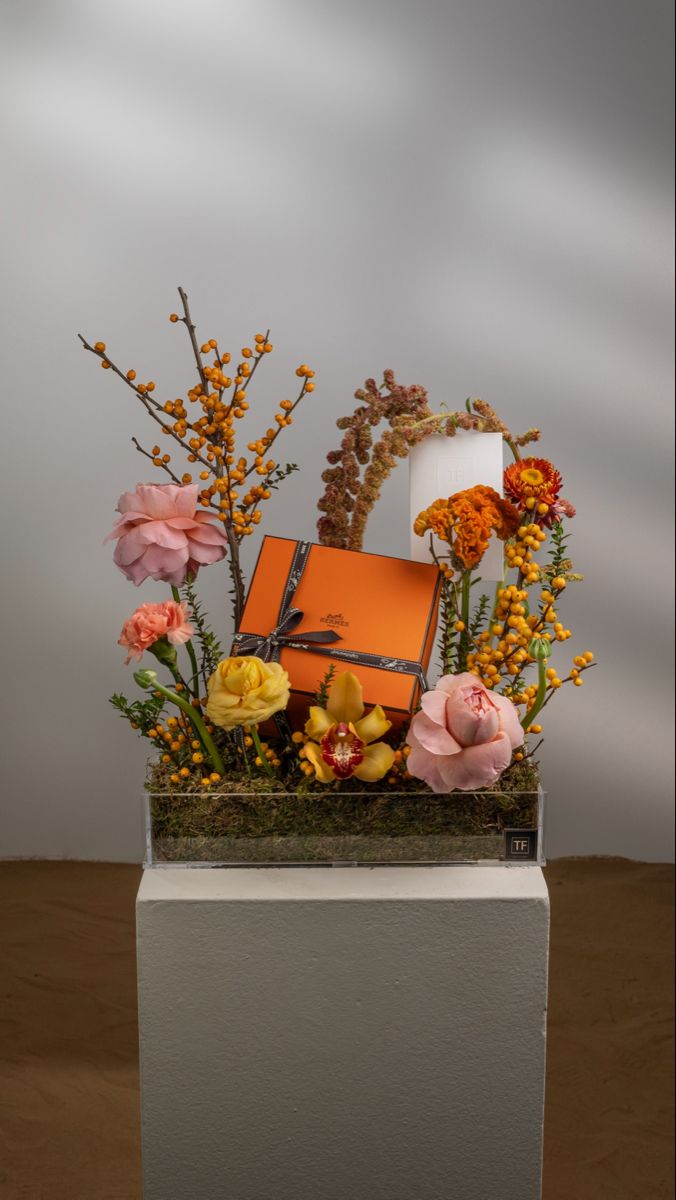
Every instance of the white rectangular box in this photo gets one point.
(440, 466)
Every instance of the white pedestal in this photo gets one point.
(343, 1033)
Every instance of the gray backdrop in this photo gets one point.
(477, 194)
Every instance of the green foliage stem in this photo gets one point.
(195, 682)
(210, 648)
(322, 695)
(148, 679)
(260, 752)
(465, 642)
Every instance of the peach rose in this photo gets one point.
(464, 735)
(152, 622)
(164, 534)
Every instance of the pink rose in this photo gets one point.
(161, 534)
(464, 736)
(151, 622)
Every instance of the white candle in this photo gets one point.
(439, 466)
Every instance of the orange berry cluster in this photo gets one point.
(270, 754)
(234, 484)
(181, 749)
(299, 739)
(183, 752)
(398, 770)
(526, 695)
(224, 400)
(504, 648)
(519, 552)
(514, 627)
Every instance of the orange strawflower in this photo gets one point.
(532, 478)
(467, 520)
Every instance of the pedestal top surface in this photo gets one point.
(278, 884)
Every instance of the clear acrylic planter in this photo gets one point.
(235, 829)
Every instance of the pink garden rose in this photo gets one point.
(151, 622)
(464, 736)
(162, 534)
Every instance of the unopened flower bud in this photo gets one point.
(539, 648)
(146, 678)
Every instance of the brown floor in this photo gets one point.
(69, 1078)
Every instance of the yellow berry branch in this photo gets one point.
(157, 462)
(140, 391)
(534, 631)
(288, 408)
(209, 439)
(572, 678)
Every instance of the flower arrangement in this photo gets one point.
(500, 640)
(222, 722)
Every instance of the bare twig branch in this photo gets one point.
(187, 320)
(535, 749)
(151, 406)
(235, 574)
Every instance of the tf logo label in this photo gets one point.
(521, 844)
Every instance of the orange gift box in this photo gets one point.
(381, 611)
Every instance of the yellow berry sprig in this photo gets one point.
(208, 437)
(265, 756)
(517, 638)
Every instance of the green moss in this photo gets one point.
(255, 819)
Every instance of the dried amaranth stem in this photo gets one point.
(359, 467)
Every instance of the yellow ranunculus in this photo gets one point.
(344, 740)
(246, 691)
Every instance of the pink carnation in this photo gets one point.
(562, 508)
(161, 534)
(151, 622)
(464, 736)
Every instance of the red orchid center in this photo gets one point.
(342, 750)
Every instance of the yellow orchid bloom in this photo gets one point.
(343, 741)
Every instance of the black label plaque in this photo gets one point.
(521, 845)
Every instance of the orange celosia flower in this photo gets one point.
(437, 519)
(466, 521)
